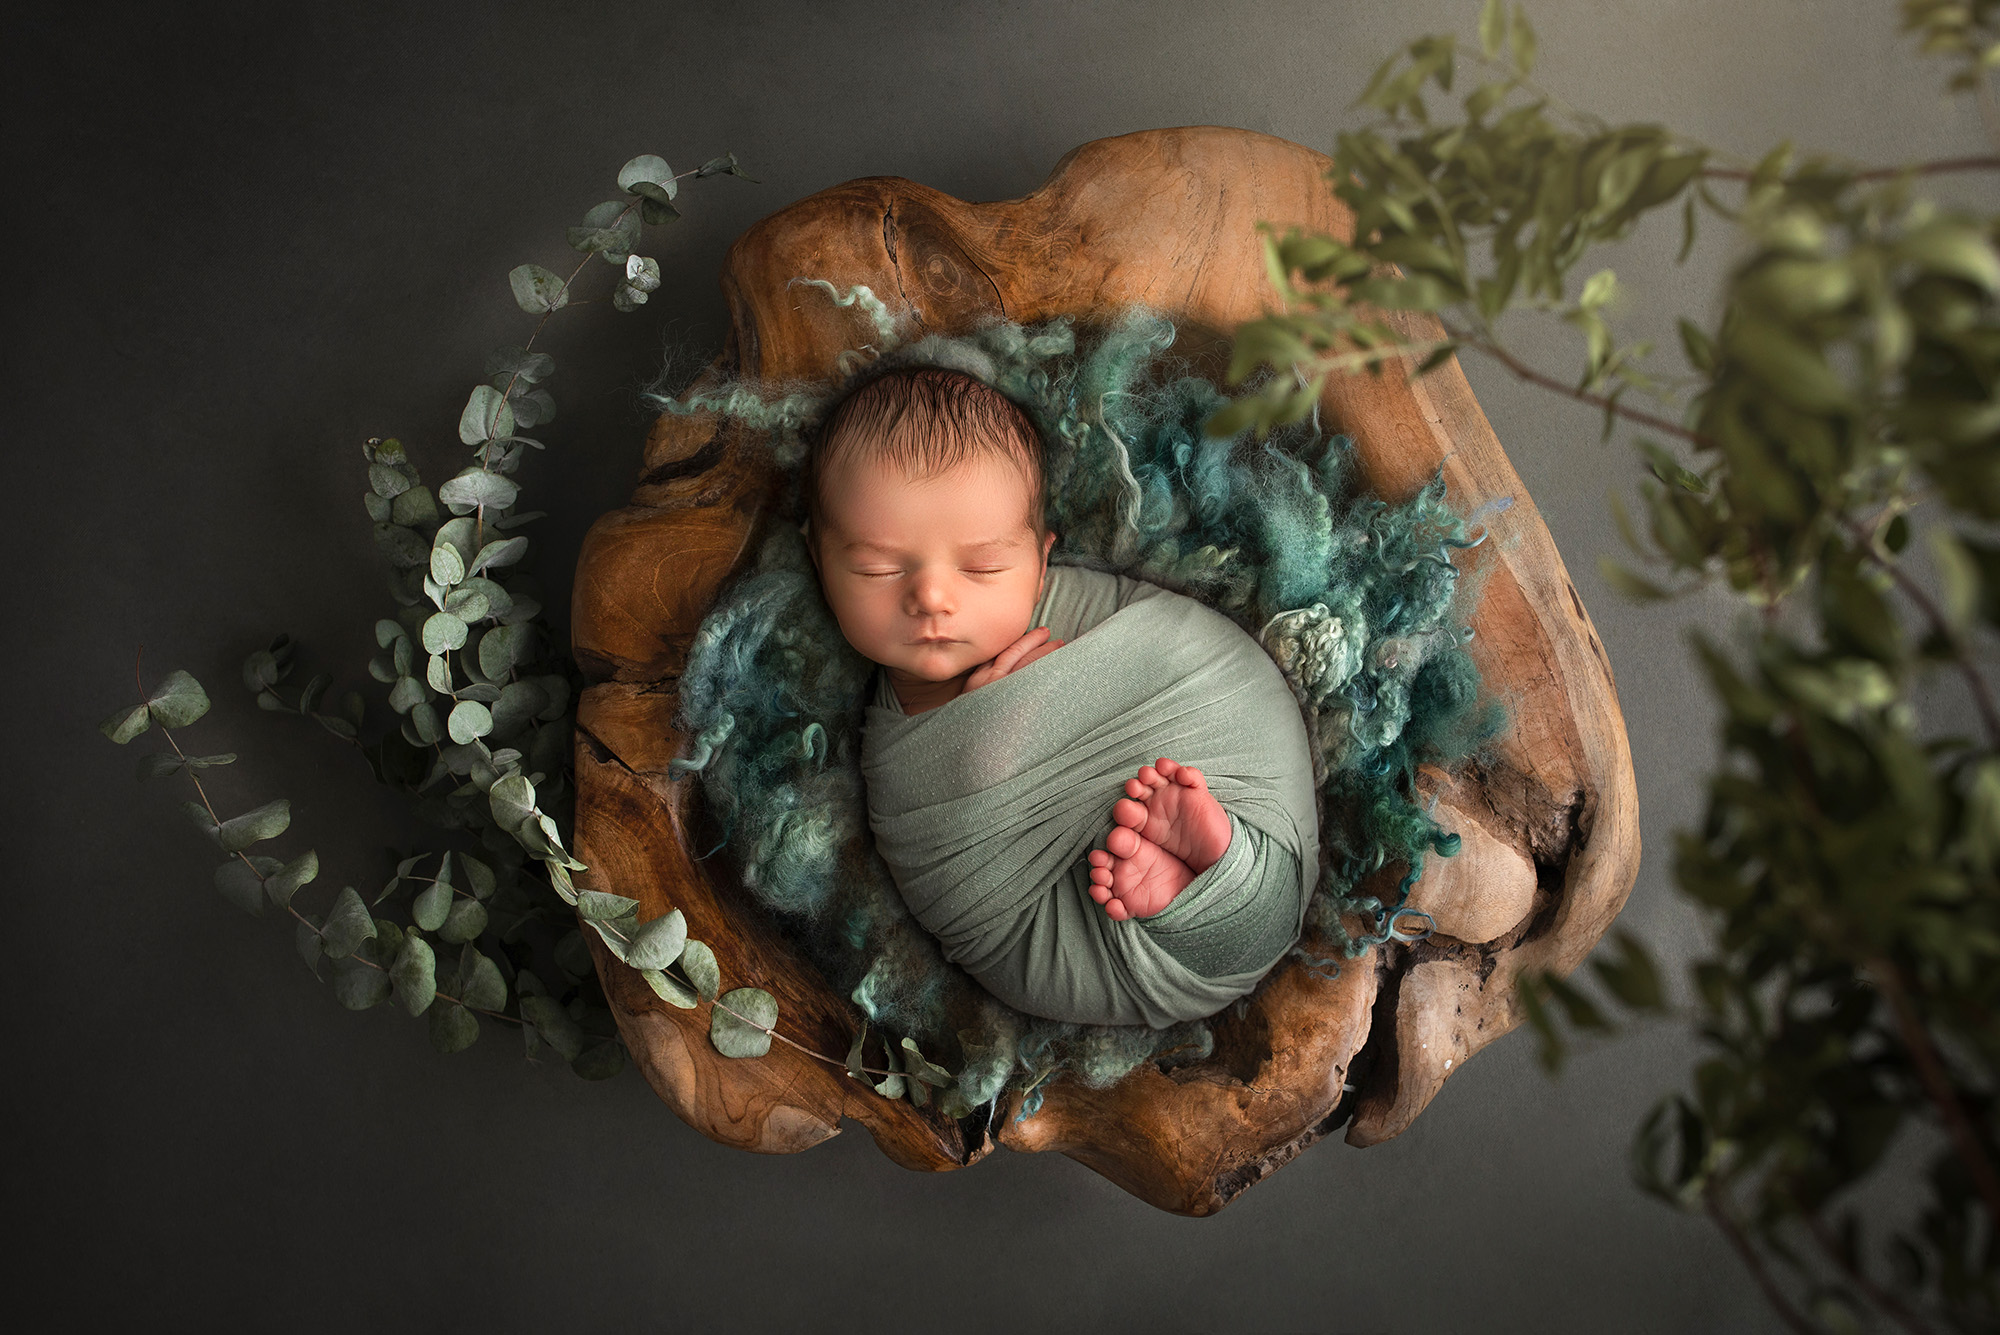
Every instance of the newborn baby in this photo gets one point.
(1096, 793)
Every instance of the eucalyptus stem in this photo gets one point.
(1715, 1203)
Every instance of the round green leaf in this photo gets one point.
(658, 943)
(443, 632)
(749, 1035)
(670, 989)
(597, 906)
(650, 168)
(266, 822)
(601, 1062)
(347, 925)
(465, 921)
(476, 487)
(469, 719)
(430, 907)
(178, 701)
(415, 974)
(697, 961)
(554, 1025)
(126, 724)
(447, 567)
(537, 291)
(359, 986)
(453, 1028)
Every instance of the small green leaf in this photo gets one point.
(348, 924)
(126, 724)
(1492, 28)
(266, 822)
(479, 983)
(670, 990)
(447, 568)
(415, 974)
(512, 800)
(453, 1028)
(1958, 575)
(598, 906)
(464, 922)
(475, 487)
(159, 764)
(178, 701)
(647, 167)
(658, 943)
(469, 719)
(538, 291)
(242, 883)
(500, 552)
(697, 961)
(553, 1023)
(282, 884)
(431, 907)
(443, 632)
(600, 1062)
(746, 1033)
(306, 940)
(478, 877)
(358, 985)
(922, 1068)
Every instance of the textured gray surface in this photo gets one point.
(248, 237)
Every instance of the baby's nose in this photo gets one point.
(930, 597)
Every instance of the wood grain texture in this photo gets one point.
(1549, 816)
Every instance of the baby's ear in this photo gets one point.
(812, 543)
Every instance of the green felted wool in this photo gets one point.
(1357, 602)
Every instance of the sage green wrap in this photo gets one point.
(985, 808)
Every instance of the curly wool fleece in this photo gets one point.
(1356, 600)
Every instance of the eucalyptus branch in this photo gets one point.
(1603, 403)
(1883, 1300)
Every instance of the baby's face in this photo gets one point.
(930, 577)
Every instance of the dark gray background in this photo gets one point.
(248, 237)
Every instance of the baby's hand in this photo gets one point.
(1035, 644)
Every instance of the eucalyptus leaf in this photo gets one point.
(647, 168)
(600, 906)
(537, 291)
(159, 764)
(443, 632)
(360, 986)
(553, 1024)
(465, 921)
(446, 566)
(479, 877)
(697, 962)
(414, 974)
(478, 487)
(479, 982)
(432, 904)
(453, 1028)
(348, 924)
(242, 883)
(742, 1029)
(177, 701)
(601, 1061)
(265, 822)
(469, 719)
(670, 989)
(657, 944)
(284, 882)
(126, 724)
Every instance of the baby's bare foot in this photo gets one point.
(1169, 804)
(1168, 830)
(1137, 883)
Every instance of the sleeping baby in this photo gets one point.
(1096, 793)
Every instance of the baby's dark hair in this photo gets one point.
(928, 419)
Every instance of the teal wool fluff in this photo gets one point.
(1356, 600)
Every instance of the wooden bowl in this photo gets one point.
(1549, 817)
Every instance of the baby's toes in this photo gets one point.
(1128, 815)
(1137, 791)
(1116, 911)
(1100, 860)
(1100, 893)
(1122, 842)
(1151, 777)
(1190, 777)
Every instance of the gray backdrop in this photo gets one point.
(249, 237)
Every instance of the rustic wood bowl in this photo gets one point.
(1548, 817)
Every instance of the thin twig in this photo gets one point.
(1528, 373)
(1975, 681)
(1873, 1292)
(1937, 1085)
(1718, 1210)
(1938, 167)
